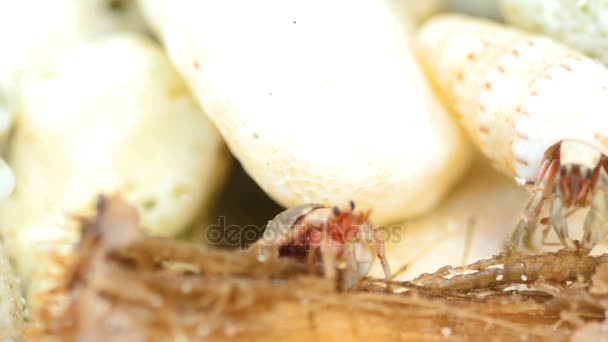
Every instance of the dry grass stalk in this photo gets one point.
(122, 285)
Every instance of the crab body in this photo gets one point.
(534, 107)
(339, 243)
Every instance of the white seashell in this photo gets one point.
(35, 33)
(154, 10)
(320, 101)
(516, 94)
(582, 24)
(478, 8)
(109, 117)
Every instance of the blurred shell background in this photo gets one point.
(472, 222)
(479, 8)
(582, 24)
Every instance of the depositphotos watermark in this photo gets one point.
(239, 236)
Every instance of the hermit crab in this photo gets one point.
(535, 108)
(340, 243)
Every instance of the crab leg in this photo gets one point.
(545, 234)
(528, 218)
(549, 224)
(596, 223)
(380, 252)
(327, 256)
(310, 260)
(559, 221)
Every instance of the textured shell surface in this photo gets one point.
(153, 12)
(36, 33)
(318, 109)
(516, 94)
(582, 24)
(124, 133)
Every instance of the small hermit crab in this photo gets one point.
(535, 108)
(572, 175)
(340, 243)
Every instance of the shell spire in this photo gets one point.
(516, 94)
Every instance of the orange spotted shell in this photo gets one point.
(516, 94)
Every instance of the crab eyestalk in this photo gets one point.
(340, 243)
